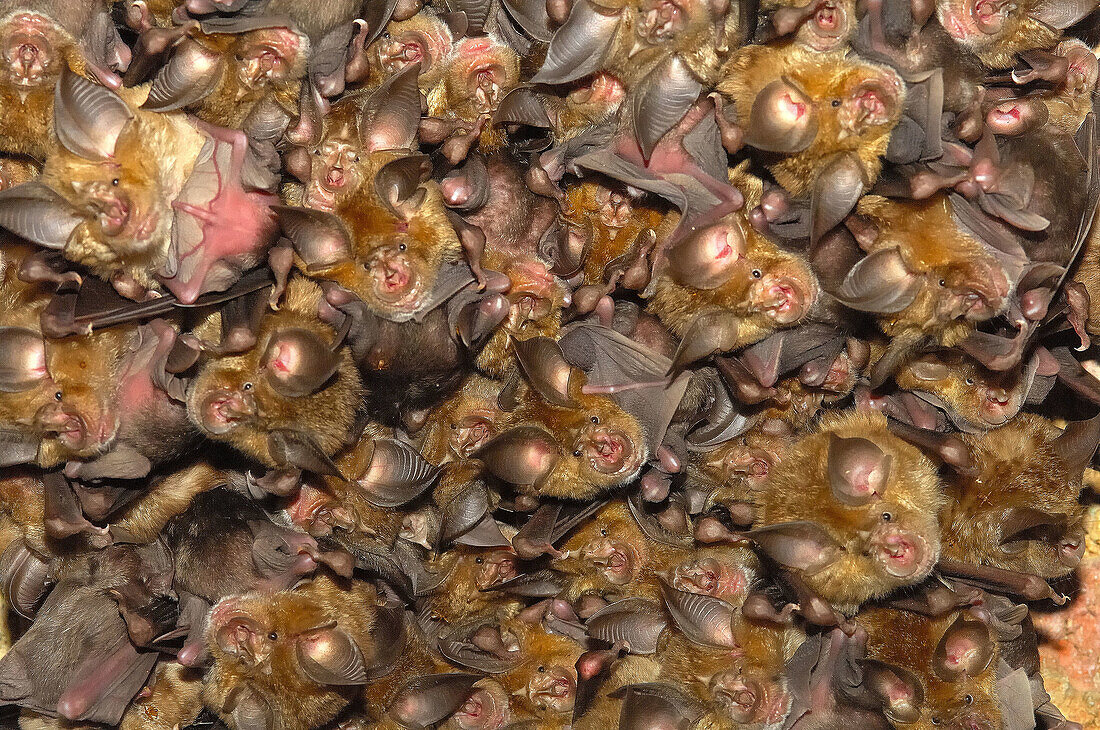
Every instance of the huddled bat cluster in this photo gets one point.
(543, 364)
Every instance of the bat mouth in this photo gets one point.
(481, 711)
(827, 28)
(903, 554)
(240, 637)
(660, 21)
(398, 53)
(1071, 548)
(615, 560)
(744, 699)
(486, 81)
(320, 197)
(615, 209)
(609, 452)
(30, 60)
(972, 722)
(268, 59)
(68, 427)
(603, 89)
(496, 570)
(869, 105)
(395, 282)
(224, 410)
(783, 299)
(553, 689)
(470, 434)
(988, 16)
(709, 577)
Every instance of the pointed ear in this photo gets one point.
(397, 474)
(38, 214)
(88, 118)
(579, 46)
(399, 182)
(522, 455)
(329, 656)
(1076, 445)
(880, 284)
(703, 619)
(190, 76)
(297, 362)
(1061, 15)
(546, 369)
(898, 691)
(391, 116)
(320, 238)
(636, 622)
(858, 470)
(298, 450)
(22, 359)
(803, 546)
(965, 650)
(661, 101)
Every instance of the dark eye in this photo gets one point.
(454, 426)
(247, 386)
(594, 419)
(317, 152)
(577, 453)
(836, 103)
(542, 669)
(886, 516)
(273, 636)
(603, 531)
(479, 561)
(115, 182)
(756, 273)
(357, 158)
(943, 282)
(970, 381)
(57, 395)
(402, 247)
(935, 721)
(969, 699)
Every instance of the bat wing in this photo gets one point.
(103, 686)
(617, 364)
(219, 228)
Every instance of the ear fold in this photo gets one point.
(425, 701)
(22, 359)
(858, 470)
(38, 214)
(703, 619)
(880, 283)
(966, 649)
(190, 76)
(397, 474)
(803, 546)
(522, 455)
(900, 691)
(297, 362)
(545, 366)
(928, 370)
(661, 101)
(398, 184)
(320, 238)
(294, 449)
(88, 118)
(329, 656)
(1078, 443)
(1062, 15)
(250, 711)
(635, 622)
(783, 119)
(390, 118)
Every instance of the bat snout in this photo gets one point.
(28, 54)
(608, 451)
(553, 689)
(902, 553)
(781, 298)
(223, 410)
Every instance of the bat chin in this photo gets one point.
(554, 690)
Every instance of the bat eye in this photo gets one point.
(836, 103)
(402, 247)
(454, 426)
(273, 636)
(970, 381)
(577, 453)
(479, 561)
(246, 386)
(756, 273)
(935, 721)
(357, 158)
(943, 282)
(115, 182)
(594, 419)
(57, 395)
(317, 151)
(969, 699)
(886, 517)
(603, 531)
(542, 669)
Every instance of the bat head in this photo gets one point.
(465, 422)
(995, 30)
(337, 169)
(746, 460)
(422, 39)
(487, 708)
(725, 573)
(610, 546)
(268, 57)
(981, 397)
(829, 26)
(545, 680)
(34, 49)
(481, 72)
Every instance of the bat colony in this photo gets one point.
(537, 364)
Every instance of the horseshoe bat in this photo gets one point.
(465, 422)
(862, 523)
(41, 40)
(148, 202)
(255, 388)
(821, 26)
(424, 39)
(173, 699)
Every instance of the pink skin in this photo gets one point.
(223, 410)
(752, 465)
(485, 709)
(660, 20)
(67, 424)
(267, 56)
(394, 279)
(554, 689)
(710, 577)
(901, 553)
(470, 433)
(114, 210)
(602, 89)
(870, 104)
(617, 560)
(1071, 548)
(398, 52)
(975, 295)
(781, 298)
(826, 29)
(237, 634)
(496, 567)
(334, 174)
(30, 59)
(615, 208)
(995, 405)
(608, 451)
(483, 74)
(747, 699)
(1083, 70)
(973, 21)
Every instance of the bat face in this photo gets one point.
(545, 681)
(985, 398)
(876, 497)
(33, 48)
(593, 99)
(267, 58)
(612, 547)
(280, 658)
(465, 422)
(722, 573)
(993, 30)
(336, 172)
(487, 708)
(829, 27)
(423, 39)
(480, 73)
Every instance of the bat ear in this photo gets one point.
(706, 259)
(38, 214)
(664, 97)
(593, 670)
(880, 283)
(858, 470)
(250, 711)
(709, 334)
(928, 370)
(544, 364)
(425, 701)
(783, 119)
(390, 118)
(320, 238)
(477, 646)
(636, 622)
(398, 184)
(396, 474)
(522, 455)
(1062, 15)
(297, 362)
(522, 106)
(1019, 520)
(1078, 443)
(24, 578)
(329, 656)
(899, 691)
(802, 546)
(836, 191)
(297, 450)
(579, 46)
(189, 77)
(965, 650)
(656, 706)
(22, 359)
(88, 118)
(703, 619)
(949, 448)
